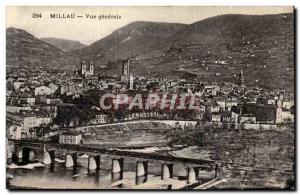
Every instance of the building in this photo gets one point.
(125, 71)
(235, 115)
(131, 82)
(215, 117)
(70, 137)
(99, 119)
(27, 100)
(248, 118)
(25, 122)
(264, 113)
(14, 132)
(42, 90)
(288, 104)
(17, 108)
(86, 71)
(242, 79)
(226, 116)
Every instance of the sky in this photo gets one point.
(88, 30)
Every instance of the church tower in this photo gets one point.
(125, 68)
(83, 67)
(279, 118)
(131, 82)
(125, 71)
(91, 68)
(242, 78)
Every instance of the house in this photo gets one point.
(26, 121)
(235, 114)
(53, 87)
(17, 108)
(288, 104)
(211, 89)
(70, 137)
(18, 125)
(42, 90)
(248, 118)
(215, 117)
(14, 132)
(212, 106)
(43, 119)
(47, 100)
(17, 85)
(263, 113)
(221, 103)
(287, 116)
(27, 100)
(99, 119)
(226, 116)
(230, 103)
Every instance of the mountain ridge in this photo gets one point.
(260, 44)
(63, 44)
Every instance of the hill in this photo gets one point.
(28, 54)
(63, 44)
(131, 40)
(213, 49)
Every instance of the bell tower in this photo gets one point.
(125, 71)
(125, 68)
(242, 78)
(91, 68)
(83, 67)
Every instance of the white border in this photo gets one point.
(4, 3)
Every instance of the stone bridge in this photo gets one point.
(25, 152)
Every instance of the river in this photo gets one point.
(57, 176)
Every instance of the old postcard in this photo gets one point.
(150, 98)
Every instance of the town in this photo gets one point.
(160, 101)
(40, 106)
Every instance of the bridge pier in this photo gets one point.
(141, 172)
(166, 171)
(19, 155)
(31, 155)
(28, 155)
(216, 170)
(9, 157)
(52, 156)
(9, 160)
(71, 160)
(191, 175)
(94, 163)
(46, 158)
(117, 169)
(49, 158)
(97, 159)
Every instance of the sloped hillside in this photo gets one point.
(213, 49)
(63, 44)
(28, 54)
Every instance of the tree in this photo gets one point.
(199, 138)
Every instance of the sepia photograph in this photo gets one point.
(194, 98)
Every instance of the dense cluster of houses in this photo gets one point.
(50, 100)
